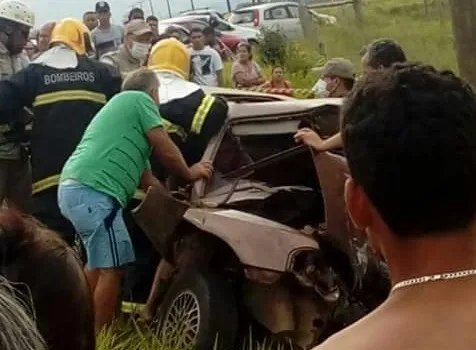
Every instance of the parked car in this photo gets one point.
(184, 32)
(247, 34)
(231, 41)
(267, 238)
(203, 11)
(226, 44)
(272, 16)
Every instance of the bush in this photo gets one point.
(296, 57)
(272, 47)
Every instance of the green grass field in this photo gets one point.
(425, 38)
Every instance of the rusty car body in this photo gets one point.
(267, 237)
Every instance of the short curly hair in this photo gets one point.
(410, 139)
(384, 53)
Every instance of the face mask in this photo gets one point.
(139, 50)
(321, 88)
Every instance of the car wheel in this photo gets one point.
(198, 312)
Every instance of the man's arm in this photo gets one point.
(149, 180)
(111, 79)
(16, 93)
(311, 138)
(171, 157)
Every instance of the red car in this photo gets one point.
(231, 41)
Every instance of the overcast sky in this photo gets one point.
(47, 10)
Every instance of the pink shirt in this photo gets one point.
(250, 71)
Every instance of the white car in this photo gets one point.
(201, 12)
(249, 34)
(273, 16)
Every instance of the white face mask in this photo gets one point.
(321, 88)
(139, 50)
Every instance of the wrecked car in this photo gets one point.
(267, 239)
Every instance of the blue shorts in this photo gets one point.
(98, 220)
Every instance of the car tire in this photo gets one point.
(198, 312)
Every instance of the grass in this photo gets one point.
(425, 38)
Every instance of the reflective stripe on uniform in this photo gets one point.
(201, 114)
(139, 194)
(45, 184)
(130, 308)
(69, 95)
(172, 128)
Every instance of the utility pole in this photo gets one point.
(151, 7)
(193, 5)
(169, 9)
(309, 27)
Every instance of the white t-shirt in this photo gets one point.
(107, 40)
(205, 65)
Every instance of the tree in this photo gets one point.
(309, 27)
(463, 13)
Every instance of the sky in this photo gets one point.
(47, 10)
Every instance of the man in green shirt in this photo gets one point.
(102, 174)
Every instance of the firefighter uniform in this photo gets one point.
(190, 116)
(65, 89)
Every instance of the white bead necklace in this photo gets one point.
(433, 278)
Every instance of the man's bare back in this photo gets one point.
(433, 316)
(413, 191)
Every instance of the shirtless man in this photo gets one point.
(412, 159)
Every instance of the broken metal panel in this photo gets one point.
(284, 308)
(158, 216)
(256, 241)
(271, 305)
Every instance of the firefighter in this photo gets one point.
(193, 118)
(16, 20)
(65, 89)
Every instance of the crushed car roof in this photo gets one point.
(227, 91)
(253, 109)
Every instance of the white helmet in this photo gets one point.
(18, 12)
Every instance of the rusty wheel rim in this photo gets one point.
(181, 322)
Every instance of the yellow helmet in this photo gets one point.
(73, 33)
(170, 55)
